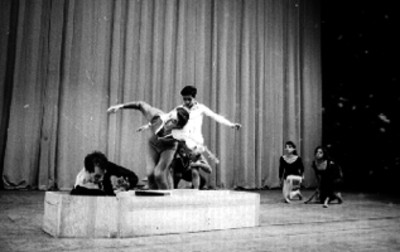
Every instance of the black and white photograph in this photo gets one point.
(199, 125)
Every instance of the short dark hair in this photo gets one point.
(93, 159)
(291, 144)
(183, 116)
(189, 90)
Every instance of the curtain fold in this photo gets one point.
(257, 62)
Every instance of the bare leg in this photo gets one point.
(312, 197)
(195, 178)
(152, 158)
(161, 169)
(203, 181)
(300, 195)
(287, 188)
(326, 202)
(338, 196)
(170, 177)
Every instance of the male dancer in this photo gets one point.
(192, 130)
(197, 112)
(162, 146)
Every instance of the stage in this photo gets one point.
(364, 222)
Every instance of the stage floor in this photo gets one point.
(364, 222)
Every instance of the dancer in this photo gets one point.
(291, 170)
(197, 112)
(194, 126)
(187, 165)
(329, 176)
(161, 146)
(102, 177)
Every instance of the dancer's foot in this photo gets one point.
(339, 198)
(300, 196)
(287, 200)
(326, 203)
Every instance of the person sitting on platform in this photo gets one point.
(291, 170)
(187, 164)
(329, 175)
(102, 177)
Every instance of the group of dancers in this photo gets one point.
(327, 171)
(175, 151)
(175, 148)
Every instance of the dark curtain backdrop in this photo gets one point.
(64, 62)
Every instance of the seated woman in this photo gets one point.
(102, 177)
(291, 170)
(329, 177)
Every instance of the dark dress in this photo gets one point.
(330, 179)
(286, 169)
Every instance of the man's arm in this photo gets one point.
(120, 171)
(148, 111)
(219, 118)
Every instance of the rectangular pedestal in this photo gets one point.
(128, 215)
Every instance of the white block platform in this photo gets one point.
(128, 215)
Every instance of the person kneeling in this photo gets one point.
(187, 165)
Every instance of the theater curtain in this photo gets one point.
(64, 62)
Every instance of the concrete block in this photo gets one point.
(131, 215)
(80, 216)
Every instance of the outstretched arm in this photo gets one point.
(148, 111)
(220, 119)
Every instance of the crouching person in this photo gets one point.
(102, 177)
(187, 164)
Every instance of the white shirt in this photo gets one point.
(82, 178)
(195, 123)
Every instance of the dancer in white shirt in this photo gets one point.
(192, 134)
(197, 111)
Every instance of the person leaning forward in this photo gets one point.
(161, 145)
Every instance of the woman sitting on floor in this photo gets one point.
(329, 177)
(291, 170)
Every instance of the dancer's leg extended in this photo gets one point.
(161, 169)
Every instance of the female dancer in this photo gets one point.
(291, 170)
(329, 177)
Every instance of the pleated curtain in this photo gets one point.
(64, 62)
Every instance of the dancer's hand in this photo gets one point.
(236, 126)
(144, 127)
(114, 108)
